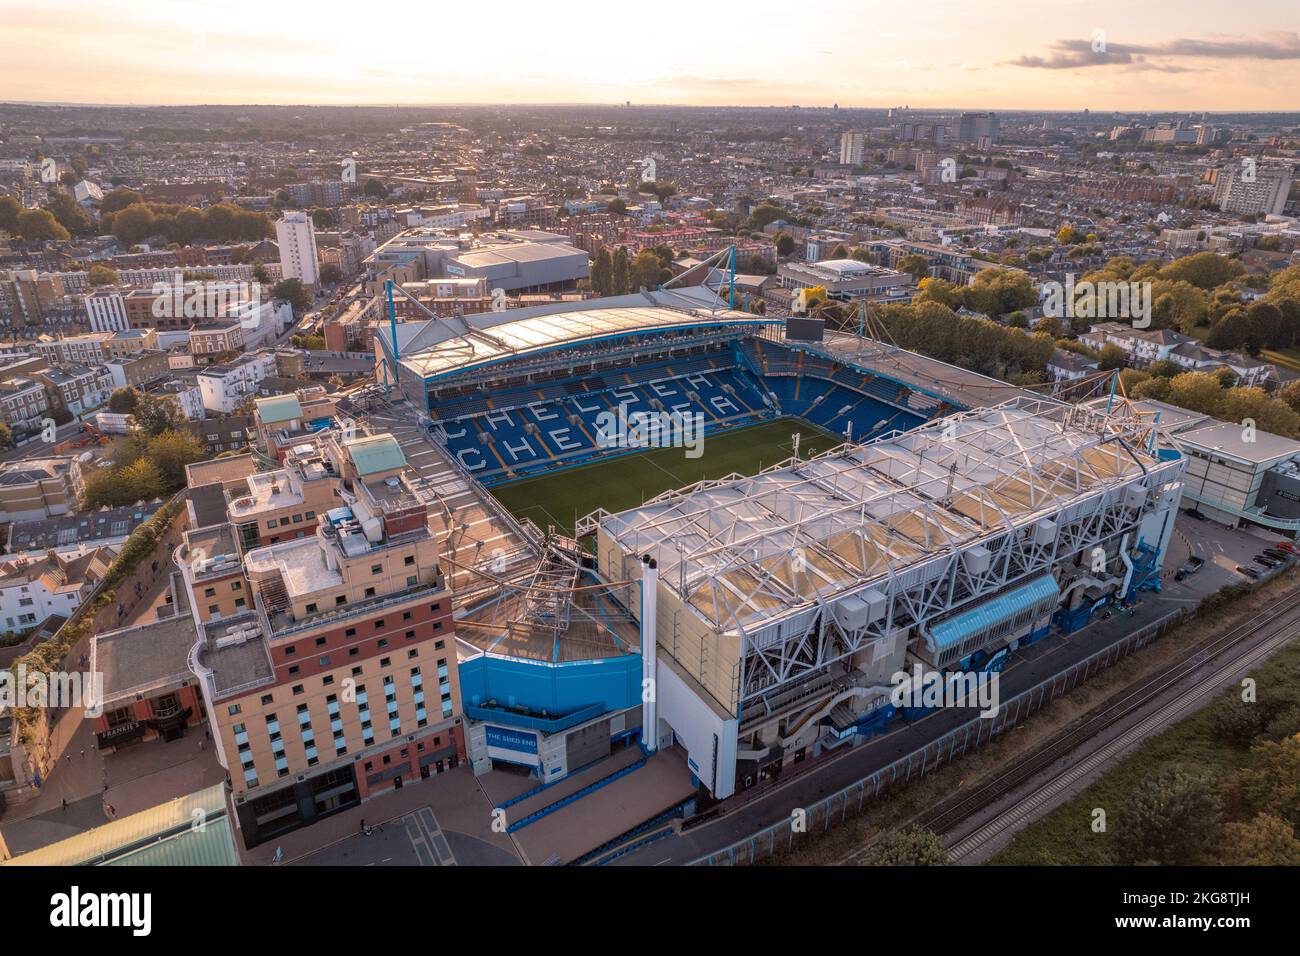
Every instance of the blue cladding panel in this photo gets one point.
(559, 689)
(991, 613)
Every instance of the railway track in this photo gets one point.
(1280, 624)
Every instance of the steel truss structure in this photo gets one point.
(810, 562)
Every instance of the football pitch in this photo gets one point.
(616, 484)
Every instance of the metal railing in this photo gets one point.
(781, 837)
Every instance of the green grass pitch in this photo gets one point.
(616, 484)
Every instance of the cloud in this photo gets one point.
(1080, 54)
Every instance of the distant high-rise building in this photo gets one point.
(296, 236)
(1252, 189)
(852, 146)
(971, 127)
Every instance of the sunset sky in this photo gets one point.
(1003, 54)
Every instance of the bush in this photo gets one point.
(1237, 722)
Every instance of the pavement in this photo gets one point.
(444, 820)
(133, 779)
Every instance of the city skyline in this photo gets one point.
(857, 55)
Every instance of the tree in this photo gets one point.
(102, 275)
(917, 266)
(156, 414)
(914, 846)
(648, 271)
(1205, 270)
(1271, 783)
(1266, 840)
(862, 255)
(840, 252)
(171, 451)
(1172, 818)
(330, 273)
(602, 273)
(10, 210)
(616, 206)
(1067, 236)
(70, 215)
(1197, 392)
(1113, 357)
(941, 291)
(374, 189)
(134, 224)
(123, 400)
(103, 489)
(1237, 722)
(784, 243)
(996, 292)
(621, 279)
(1268, 413)
(293, 292)
(39, 224)
(6, 435)
(142, 480)
(118, 199)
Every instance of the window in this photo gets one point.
(290, 650)
(311, 608)
(350, 632)
(412, 581)
(297, 689)
(236, 586)
(410, 560)
(297, 519)
(267, 699)
(209, 592)
(410, 635)
(381, 643)
(370, 592)
(377, 569)
(271, 525)
(340, 600)
(320, 642)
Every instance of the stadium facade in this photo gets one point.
(757, 621)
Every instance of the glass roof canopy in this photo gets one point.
(742, 551)
(457, 351)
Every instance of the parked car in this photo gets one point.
(1194, 513)
(1181, 573)
(1267, 562)
(1248, 572)
(1195, 564)
(1277, 554)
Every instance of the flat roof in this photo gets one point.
(135, 659)
(1228, 438)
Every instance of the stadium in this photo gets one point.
(856, 510)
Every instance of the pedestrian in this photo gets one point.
(65, 803)
(69, 758)
(363, 824)
(112, 813)
(83, 753)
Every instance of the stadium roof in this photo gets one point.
(745, 551)
(445, 346)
